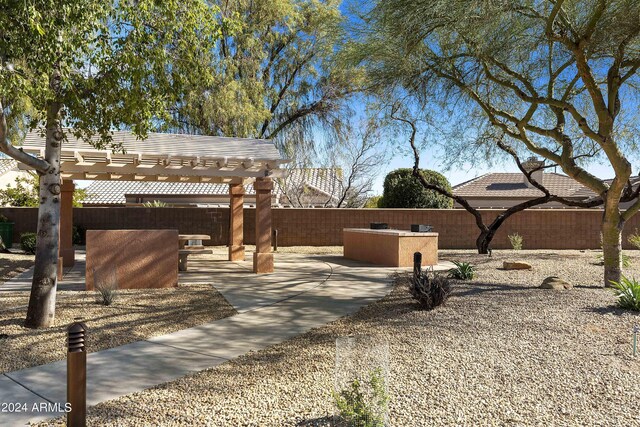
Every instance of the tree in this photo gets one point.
(94, 66)
(373, 202)
(350, 165)
(403, 190)
(25, 193)
(276, 74)
(558, 78)
(488, 231)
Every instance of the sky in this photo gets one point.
(434, 160)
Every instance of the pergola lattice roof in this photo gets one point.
(165, 157)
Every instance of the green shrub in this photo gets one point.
(373, 202)
(462, 271)
(79, 235)
(634, 239)
(430, 290)
(403, 190)
(4, 218)
(516, 241)
(28, 242)
(155, 204)
(628, 293)
(361, 409)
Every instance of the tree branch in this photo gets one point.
(41, 166)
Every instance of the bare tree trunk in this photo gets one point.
(42, 302)
(484, 240)
(612, 225)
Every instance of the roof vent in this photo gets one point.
(533, 164)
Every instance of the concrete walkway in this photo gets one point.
(305, 292)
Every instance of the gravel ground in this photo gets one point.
(134, 315)
(13, 264)
(500, 352)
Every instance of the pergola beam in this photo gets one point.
(73, 167)
(112, 176)
(178, 158)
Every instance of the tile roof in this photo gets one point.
(324, 180)
(114, 192)
(176, 145)
(511, 185)
(7, 164)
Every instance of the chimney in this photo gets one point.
(533, 164)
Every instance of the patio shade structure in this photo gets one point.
(174, 158)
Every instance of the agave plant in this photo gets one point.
(155, 204)
(462, 271)
(628, 293)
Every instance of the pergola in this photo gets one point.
(175, 158)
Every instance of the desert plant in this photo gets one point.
(462, 271)
(28, 242)
(105, 281)
(430, 290)
(516, 241)
(107, 293)
(357, 408)
(155, 204)
(634, 239)
(628, 293)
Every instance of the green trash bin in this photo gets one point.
(6, 232)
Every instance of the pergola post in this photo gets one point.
(263, 257)
(66, 250)
(236, 213)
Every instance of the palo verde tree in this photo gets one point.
(276, 74)
(88, 67)
(488, 230)
(558, 78)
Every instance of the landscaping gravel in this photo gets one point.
(499, 352)
(12, 264)
(135, 315)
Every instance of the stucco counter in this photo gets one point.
(393, 248)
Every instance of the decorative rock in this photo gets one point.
(554, 282)
(516, 265)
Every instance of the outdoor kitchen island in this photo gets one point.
(392, 248)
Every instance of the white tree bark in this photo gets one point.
(42, 302)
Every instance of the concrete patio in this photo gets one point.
(306, 292)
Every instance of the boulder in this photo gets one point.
(516, 265)
(554, 282)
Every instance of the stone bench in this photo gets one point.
(183, 254)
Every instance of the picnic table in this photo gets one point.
(185, 250)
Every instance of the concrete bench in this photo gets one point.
(183, 254)
(184, 239)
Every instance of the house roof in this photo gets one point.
(164, 157)
(325, 180)
(114, 193)
(7, 164)
(511, 185)
(174, 144)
